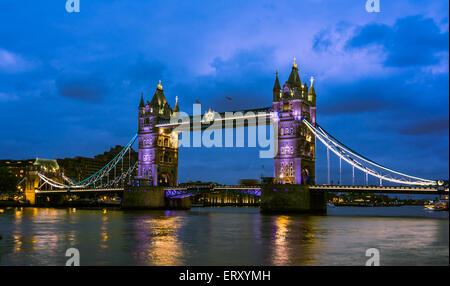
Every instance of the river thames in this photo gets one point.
(405, 235)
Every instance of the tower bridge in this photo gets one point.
(293, 117)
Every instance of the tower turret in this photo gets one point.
(294, 79)
(176, 108)
(276, 89)
(312, 93)
(142, 104)
(158, 104)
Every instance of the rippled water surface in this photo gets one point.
(223, 236)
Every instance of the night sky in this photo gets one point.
(70, 84)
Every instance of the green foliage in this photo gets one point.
(8, 182)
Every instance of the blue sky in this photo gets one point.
(70, 83)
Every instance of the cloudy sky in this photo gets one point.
(70, 83)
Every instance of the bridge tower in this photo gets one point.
(295, 160)
(158, 148)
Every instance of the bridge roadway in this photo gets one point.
(177, 192)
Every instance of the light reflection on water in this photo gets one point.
(223, 236)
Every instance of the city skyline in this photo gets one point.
(85, 86)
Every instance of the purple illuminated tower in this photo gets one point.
(158, 148)
(295, 160)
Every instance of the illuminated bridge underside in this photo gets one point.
(197, 190)
(256, 190)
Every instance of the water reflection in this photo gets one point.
(293, 240)
(157, 240)
(280, 227)
(219, 236)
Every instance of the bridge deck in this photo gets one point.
(255, 190)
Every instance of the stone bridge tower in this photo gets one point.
(295, 160)
(158, 147)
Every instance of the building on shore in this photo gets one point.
(77, 168)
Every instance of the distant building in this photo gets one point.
(17, 167)
(77, 168)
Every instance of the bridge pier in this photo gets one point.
(287, 198)
(151, 197)
(31, 184)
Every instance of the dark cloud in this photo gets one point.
(365, 95)
(322, 41)
(357, 105)
(89, 88)
(144, 71)
(411, 41)
(436, 126)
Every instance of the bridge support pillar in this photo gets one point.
(145, 197)
(283, 198)
(178, 203)
(31, 183)
(151, 197)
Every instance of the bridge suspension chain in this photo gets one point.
(360, 162)
(97, 176)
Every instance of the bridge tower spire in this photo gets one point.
(276, 88)
(158, 148)
(295, 160)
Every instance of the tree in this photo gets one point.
(8, 182)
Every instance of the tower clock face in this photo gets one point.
(286, 89)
